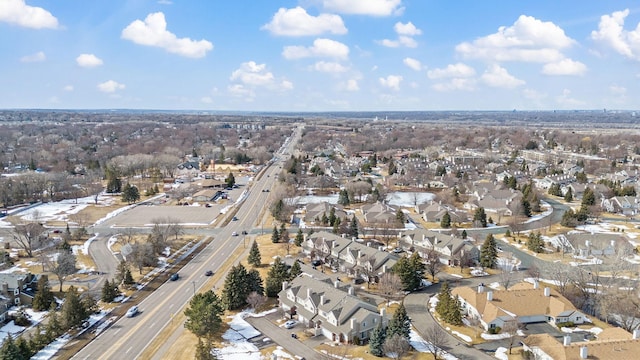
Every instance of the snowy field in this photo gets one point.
(402, 199)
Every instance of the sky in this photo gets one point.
(320, 55)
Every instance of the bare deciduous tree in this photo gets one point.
(389, 285)
(511, 328)
(433, 264)
(62, 264)
(396, 346)
(256, 300)
(28, 236)
(436, 338)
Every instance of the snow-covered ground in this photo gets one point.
(501, 353)
(421, 345)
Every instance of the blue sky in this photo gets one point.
(320, 55)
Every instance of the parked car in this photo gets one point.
(208, 273)
(174, 277)
(316, 262)
(132, 311)
(289, 324)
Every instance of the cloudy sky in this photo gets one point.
(320, 55)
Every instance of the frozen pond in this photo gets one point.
(404, 199)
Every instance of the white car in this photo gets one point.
(289, 324)
(132, 311)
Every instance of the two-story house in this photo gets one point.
(330, 309)
(449, 247)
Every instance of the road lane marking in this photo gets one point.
(131, 348)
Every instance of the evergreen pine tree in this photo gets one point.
(234, 294)
(299, 238)
(73, 311)
(283, 233)
(107, 292)
(54, 327)
(295, 270)
(376, 341)
(399, 323)
(445, 222)
(204, 315)
(444, 301)
(44, 297)
(480, 217)
(254, 255)
(489, 252)
(120, 271)
(275, 235)
(9, 350)
(24, 349)
(128, 278)
(254, 283)
(203, 351)
(343, 198)
(276, 275)
(353, 227)
(568, 196)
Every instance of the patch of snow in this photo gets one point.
(501, 353)
(420, 345)
(408, 199)
(10, 328)
(462, 336)
(495, 285)
(495, 336)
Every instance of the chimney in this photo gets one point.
(480, 288)
(489, 295)
(384, 268)
(383, 312)
(353, 324)
(322, 299)
(351, 290)
(285, 285)
(566, 341)
(336, 284)
(536, 284)
(584, 353)
(308, 293)
(547, 292)
(5, 287)
(636, 334)
(359, 254)
(613, 243)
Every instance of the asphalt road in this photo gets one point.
(129, 337)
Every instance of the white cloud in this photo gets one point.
(251, 75)
(321, 48)
(17, 12)
(407, 29)
(392, 82)
(68, 88)
(352, 85)
(458, 70)
(329, 67)
(110, 86)
(611, 34)
(528, 39)
(365, 7)
(153, 32)
(564, 67)
(297, 22)
(88, 60)
(465, 84)
(497, 76)
(412, 63)
(567, 101)
(405, 36)
(240, 90)
(37, 57)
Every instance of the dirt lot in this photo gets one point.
(186, 215)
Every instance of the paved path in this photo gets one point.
(417, 305)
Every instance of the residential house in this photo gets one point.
(434, 211)
(330, 309)
(611, 343)
(20, 288)
(494, 201)
(585, 244)
(523, 302)
(449, 247)
(625, 205)
(577, 190)
(378, 213)
(355, 257)
(314, 213)
(207, 195)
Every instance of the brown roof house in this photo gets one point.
(330, 309)
(612, 343)
(316, 212)
(523, 302)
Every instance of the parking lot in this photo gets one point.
(145, 215)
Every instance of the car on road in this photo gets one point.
(290, 324)
(234, 219)
(174, 277)
(244, 232)
(208, 273)
(132, 311)
(234, 234)
(265, 190)
(293, 335)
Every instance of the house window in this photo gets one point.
(364, 323)
(16, 291)
(16, 301)
(579, 318)
(492, 326)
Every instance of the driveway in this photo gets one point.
(283, 337)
